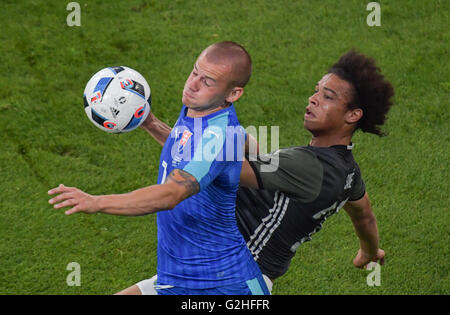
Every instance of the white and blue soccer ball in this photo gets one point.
(117, 99)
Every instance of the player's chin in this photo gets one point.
(308, 125)
(314, 127)
(188, 102)
(192, 105)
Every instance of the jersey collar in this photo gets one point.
(348, 147)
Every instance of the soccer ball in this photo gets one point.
(117, 99)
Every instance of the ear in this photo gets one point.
(235, 94)
(352, 116)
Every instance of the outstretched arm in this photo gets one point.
(178, 186)
(366, 229)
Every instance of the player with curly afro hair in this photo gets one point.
(280, 208)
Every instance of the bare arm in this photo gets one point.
(366, 229)
(251, 146)
(156, 128)
(179, 186)
(248, 177)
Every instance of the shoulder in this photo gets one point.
(294, 153)
(224, 120)
(294, 170)
(302, 164)
(293, 159)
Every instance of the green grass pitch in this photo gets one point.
(46, 139)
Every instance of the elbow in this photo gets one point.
(171, 205)
(371, 220)
(173, 200)
(159, 205)
(177, 190)
(163, 203)
(367, 222)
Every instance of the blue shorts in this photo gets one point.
(256, 286)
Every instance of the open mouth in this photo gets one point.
(309, 114)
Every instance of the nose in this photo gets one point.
(193, 83)
(313, 99)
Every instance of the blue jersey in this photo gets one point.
(199, 243)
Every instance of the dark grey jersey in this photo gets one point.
(300, 187)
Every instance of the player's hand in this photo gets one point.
(362, 259)
(73, 197)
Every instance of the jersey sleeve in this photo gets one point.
(295, 171)
(358, 188)
(217, 148)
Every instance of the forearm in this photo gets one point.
(367, 231)
(156, 128)
(365, 224)
(139, 202)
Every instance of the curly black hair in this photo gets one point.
(372, 92)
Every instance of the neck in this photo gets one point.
(327, 141)
(204, 111)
